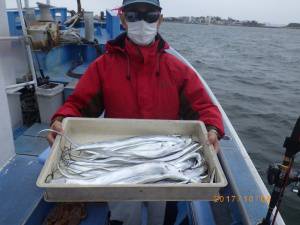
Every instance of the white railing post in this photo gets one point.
(7, 150)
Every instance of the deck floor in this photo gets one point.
(27, 143)
(20, 194)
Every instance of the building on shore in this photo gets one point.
(213, 20)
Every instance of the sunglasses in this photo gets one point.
(149, 17)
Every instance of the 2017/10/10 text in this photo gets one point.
(237, 198)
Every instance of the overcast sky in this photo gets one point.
(269, 11)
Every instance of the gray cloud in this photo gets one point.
(270, 11)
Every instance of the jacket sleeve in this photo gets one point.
(87, 98)
(196, 103)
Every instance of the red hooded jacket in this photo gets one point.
(137, 82)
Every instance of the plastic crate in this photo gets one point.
(91, 130)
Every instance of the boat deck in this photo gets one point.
(24, 202)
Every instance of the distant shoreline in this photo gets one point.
(233, 25)
(216, 20)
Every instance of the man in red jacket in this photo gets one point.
(138, 79)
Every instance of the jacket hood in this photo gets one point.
(118, 44)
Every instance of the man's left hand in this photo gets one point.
(213, 140)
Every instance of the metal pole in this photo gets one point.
(19, 85)
(10, 38)
(28, 47)
(26, 3)
(79, 9)
(89, 26)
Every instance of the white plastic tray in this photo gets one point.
(89, 130)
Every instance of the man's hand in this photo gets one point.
(57, 126)
(213, 140)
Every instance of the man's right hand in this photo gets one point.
(57, 126)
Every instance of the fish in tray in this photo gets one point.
(135, 160)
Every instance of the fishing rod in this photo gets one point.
(280, 175)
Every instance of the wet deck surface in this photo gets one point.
(27, 142)
(19, 195)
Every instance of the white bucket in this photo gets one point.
(50, 98)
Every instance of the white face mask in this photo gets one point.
(141, 32)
